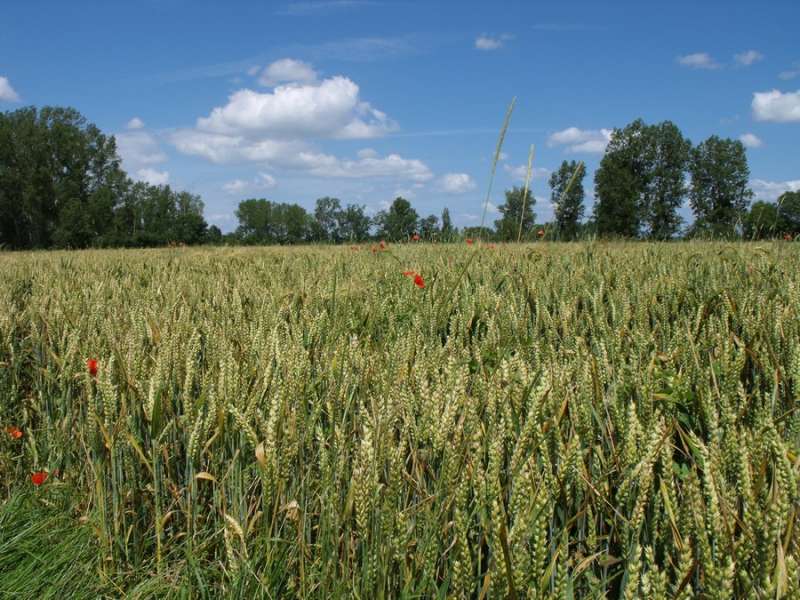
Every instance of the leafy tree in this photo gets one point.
(719, 193)
(568, 203)
(507, 225)
(479, 233)
(762, 221)
(353, 223)
(447, 225)
(59, 178)
(399, 222)
(429, 227)
(327, 215)
(640, 181)
(789, 212)
(214, 235)
(664, 187)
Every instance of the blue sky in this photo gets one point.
(368, 100)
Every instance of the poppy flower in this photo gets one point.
(383, 245)
(419, 281)
(415, 237)
(14, 432)
(540, 233)
(38, 478)
(91, 366)
(409, 273)
(469, 241)
(787, 237)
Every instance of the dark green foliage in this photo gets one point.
(789, 212)
(400, 222)
(264, 222)
(568, 203)
(507, 225)
(447, 225)
(61, 185)
(429, 227)
(640, 182)
(762, 222)
(719, 192)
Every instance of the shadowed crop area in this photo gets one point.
(417, 421)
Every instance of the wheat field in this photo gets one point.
(540, 420)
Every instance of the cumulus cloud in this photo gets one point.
(520, 173)
(330, 109)
(488, 42)
(751, 140)
(698, 60)
(287, 70)
(279, 128)
(456, 183)
(152, 176)
(748, 58)
(139, 148)
(135, 123)
(592, 141)
(772, 190)
(776, 106)
(262, 181)
(7, 93)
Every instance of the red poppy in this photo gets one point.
(14, 432)
(540, 233)
(415, 237)
(91, 365)
(374, 248)
(469, 241)
(38, 478)
(383, 245)
(409, 273)
(787, 237)
(419, 281)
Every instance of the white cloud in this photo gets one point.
(776, 106)
(135, 123)
(278, 129)
(751, 140)
(139, 148)
(502, 156)
(407, 193)
(748, 58)
(262, 181)
(152, 176)
(367, 153)
(487, 42)
(790, 73)
(456, 183)
(7, 93)
(520, 173)
(772, 190)
(330, 109)
(593, 141)
(287, 70)
(698, 60)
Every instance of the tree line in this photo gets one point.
(62, 185)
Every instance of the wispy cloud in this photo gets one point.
(772, 190)
(751, 140)
(698, 60)
(592, 141)
(790, 73)
(747, 58)
(305, 9)
(488, 42)
(7, 93)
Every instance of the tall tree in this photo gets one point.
(399, 222)
(640, 182)
(568, 203)
(429, 227)
(447, 231)
(619, 182)
(762, 222)
(326, 213)
(664, 187)
(353, 223)
(507, 225)
(719, 193)
(59, 179)
(789, 212)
